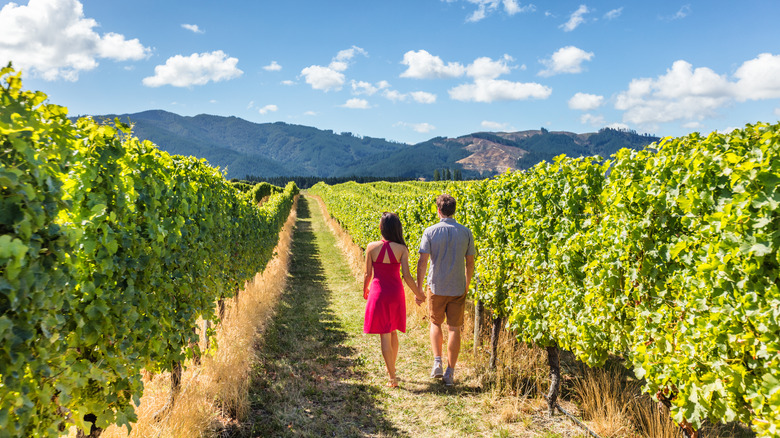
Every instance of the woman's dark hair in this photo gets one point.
(391, 229)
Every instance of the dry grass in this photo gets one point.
(214, 395)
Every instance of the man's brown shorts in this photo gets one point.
(440, 306)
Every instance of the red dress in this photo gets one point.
(386, 307)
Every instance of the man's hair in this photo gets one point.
(446, 204)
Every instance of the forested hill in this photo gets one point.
(282, 149)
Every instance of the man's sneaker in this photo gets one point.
(436, 372)
(449, 376)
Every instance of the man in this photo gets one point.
(450, 247)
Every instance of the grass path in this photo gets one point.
(319, 375)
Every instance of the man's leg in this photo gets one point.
(437, 338)
(453, 346)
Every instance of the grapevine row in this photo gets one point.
(110, 252)
(666, 256)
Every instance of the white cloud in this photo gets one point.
(330, 77)
(682, 13)
(192, 27)
(361, 87)
(251, 104)
(567, 59)
(486, 68)
(693, 125)
(495, 126)
(487, 7)
(777, 112)
(618, 126)
(419, 127)
(213, 101)
(55, 40)
(394, 95)
(423, 97)
(323, 78)
(423, 65)
(196, 69)
(615, 13)
(681, 94)
(575, 19)
(512, 7)
(268, 109)
(489, 90)
(593, 120)
(310, 113)
(273, 66)
(759, 78)
(585, 102)
(288, 82)
(356, 103)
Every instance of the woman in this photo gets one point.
(386, 307)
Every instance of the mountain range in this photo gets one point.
(267, 150)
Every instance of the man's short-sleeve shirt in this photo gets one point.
(448, 244)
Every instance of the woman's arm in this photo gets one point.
(409, 280)
(369, 270)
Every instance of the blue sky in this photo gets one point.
(409, 70)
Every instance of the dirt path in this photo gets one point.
(319, 375)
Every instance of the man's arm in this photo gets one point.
(422, 266)
(469, 270)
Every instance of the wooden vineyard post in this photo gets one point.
(494, 341)
(478, 309)
(554, 361)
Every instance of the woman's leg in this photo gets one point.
(388, 353)
(394, 339)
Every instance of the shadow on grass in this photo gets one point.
(306, 382)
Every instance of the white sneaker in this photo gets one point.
(449, 376)
(436, 372)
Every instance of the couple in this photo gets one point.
(450, 248)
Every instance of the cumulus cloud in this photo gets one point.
(615, 13)
(192, 28)
(690, 95)
(268, 109)
(486, 68)
(487, 7)
(273, 66)
(394, 95)
(423, 97)
(593, 120)
(53, 39)
(288, 82)
(495, 126)
(323, 78)
(575, 19)
(196, 69)
(419, 127)
(489, 90)
(759, 78)
(367, 88)
(617, 125)
(585, 102)
(330, 77)
(423, 65)
(681, 94)
(356, 103)
(567, 59)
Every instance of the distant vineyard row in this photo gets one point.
(666, 256)
(110, 252)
